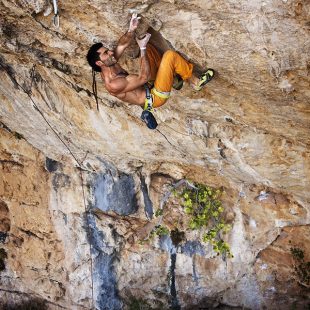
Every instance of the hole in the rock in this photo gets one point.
(5, 222)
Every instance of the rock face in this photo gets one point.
(79, 187)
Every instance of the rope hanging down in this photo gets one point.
(29, 93)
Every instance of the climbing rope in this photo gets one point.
(81, 169)
(32, 76)
(29, 93)
(87, 212)
(174, 130)
(174, 146)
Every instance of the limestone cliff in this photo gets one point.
(79, 187)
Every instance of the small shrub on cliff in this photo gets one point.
(204, 209)
(159, 230)
(203, 206)
(302, 268)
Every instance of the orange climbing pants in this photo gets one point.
(163, 68)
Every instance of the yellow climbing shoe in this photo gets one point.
(205, 78)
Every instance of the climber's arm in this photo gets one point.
(123, 43)
(132, 81)
(126, 39)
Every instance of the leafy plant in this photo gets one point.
(159, 230)
(159, 212)
(202, 204)
(301, 267)
(204, 209)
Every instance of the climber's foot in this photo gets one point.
(177, 82)
(205, 78)
(149, 119)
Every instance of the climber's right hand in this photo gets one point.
(134, 22)
(142, 42)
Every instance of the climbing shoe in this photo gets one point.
(149, 119)
(205, 78)
(177, 82)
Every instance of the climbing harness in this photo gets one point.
(147, 115)
(148, 104)
(205, 78)
(56, 16)
(94, 86)
(149, 119)
(161, 94)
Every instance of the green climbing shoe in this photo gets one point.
(205, 78)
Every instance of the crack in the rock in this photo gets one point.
(43, 58)
(11, 162)
(259, 130)
(9, 70)
(221, 148)
(33, 294)
(2, 125)
(30, 233)
(173, 291)
(77, 88)
(270, 244)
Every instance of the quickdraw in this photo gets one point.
(56, 16)
(148, 105)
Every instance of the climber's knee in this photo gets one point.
(158, 102)
(168, 55)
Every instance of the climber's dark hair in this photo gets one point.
(93, 56)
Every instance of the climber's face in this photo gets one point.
(107, 57)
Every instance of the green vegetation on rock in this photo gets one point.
(301, 267)
(205, 211)
(204, 207)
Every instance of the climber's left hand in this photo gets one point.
(143, 41)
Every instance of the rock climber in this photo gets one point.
(155, 69)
